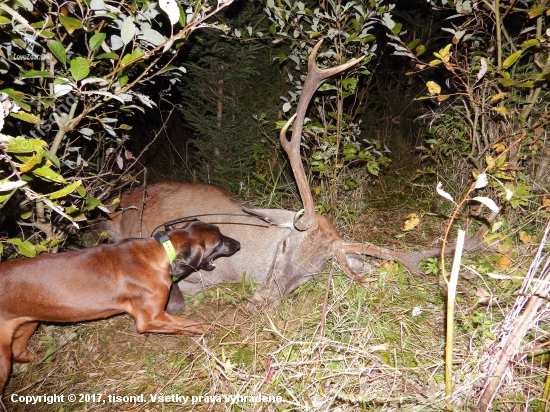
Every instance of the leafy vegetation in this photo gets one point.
(229, 93)
(488, 104)
(77, 74)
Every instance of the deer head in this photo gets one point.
(310, 221)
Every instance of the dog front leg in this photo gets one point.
(20, 340)
(176, 303)
(166, 323)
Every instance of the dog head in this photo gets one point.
(197, 245)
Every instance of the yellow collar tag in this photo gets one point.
(164, 240)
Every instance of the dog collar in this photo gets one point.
(165, 241)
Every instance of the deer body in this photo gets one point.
(278, 257)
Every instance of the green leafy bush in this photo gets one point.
(73, 71)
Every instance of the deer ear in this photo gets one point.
(297, 217)
(189, 251)
(110, 209)
(281, 218)
(179, 223)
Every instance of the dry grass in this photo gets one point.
(382, 348)
(376, 353)
(370, 354)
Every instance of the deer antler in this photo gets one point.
(408, 260)
(315, 77)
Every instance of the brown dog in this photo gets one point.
(132, 276)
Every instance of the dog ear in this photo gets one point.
(188, 252)
(188, 259)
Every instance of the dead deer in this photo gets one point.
(279, 257)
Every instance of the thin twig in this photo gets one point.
(325, 301)
(451, 296)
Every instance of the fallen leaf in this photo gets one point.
(390, 266)
(412, 221)
(468, 275)
(376, 348)
(483, 295)
(526, 238)
(504, 262)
